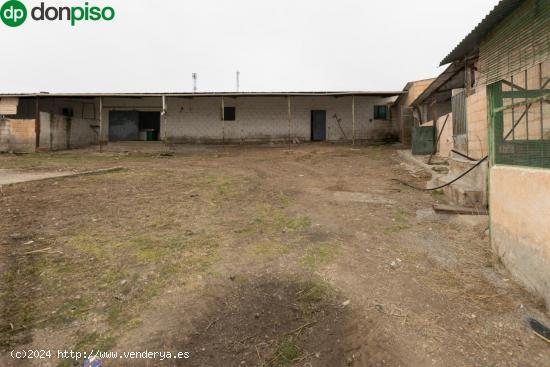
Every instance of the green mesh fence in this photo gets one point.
(519, 110)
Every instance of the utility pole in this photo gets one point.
(194, 82)
(238, 75)
(100, 125)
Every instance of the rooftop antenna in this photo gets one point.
(238, 75)
(194, 82)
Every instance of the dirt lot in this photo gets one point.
(254, 256)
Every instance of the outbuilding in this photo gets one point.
(507, 94)
(44, 121)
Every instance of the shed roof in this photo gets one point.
(452, 77)
(209, 94)
(469, 44)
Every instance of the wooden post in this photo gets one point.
(100, 124)
(467, 78)
(353, 120)
(164, 118)
(37, 124)
(223, 122)
(289, 119)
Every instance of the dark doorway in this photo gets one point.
(123, 125)
(133, 125)
(318, 125)
(149, 121)
(149, 126)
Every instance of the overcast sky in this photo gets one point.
(278, 45)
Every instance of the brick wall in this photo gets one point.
(404, 119)
(445, 143)
(476, 111)
(4, 136)
(17, 135)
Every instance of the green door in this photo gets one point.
(423, 140)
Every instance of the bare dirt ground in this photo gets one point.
(252, 256)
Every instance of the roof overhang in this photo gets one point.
(210, 94)
(469, 45)
(441, 88)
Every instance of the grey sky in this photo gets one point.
(284, 45)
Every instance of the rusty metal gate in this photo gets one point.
(460, 129)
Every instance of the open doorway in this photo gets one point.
(134, 126)
(149, 126)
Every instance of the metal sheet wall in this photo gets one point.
(519, 42)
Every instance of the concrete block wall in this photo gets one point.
(476, 112)
(83, 132)
(22, 135)
(4, 135)
(17, 135)
(59, 133)
(45, 133)
(198, 120)
(404, 119)
(62, 132)
(261, 119)
(520, 208)
(445, 143)
(258, 119)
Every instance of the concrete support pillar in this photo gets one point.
(223, 121)
(37, 124)
(164, 119)
(101, 132)
(289, 116)
(353, 120)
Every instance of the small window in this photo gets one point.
(229, 113)
(380, 112)
(67, 111)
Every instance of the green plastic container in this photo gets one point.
(152, 135)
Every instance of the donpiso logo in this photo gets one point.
(14, 13)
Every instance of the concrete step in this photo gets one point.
(462, 193)
(476, 178)
(441, 169)
(438, 165)
(469, 191)
(438, 161)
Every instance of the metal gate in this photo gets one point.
(519, 111)
(460, 129)
(423, 140)
(123, 125)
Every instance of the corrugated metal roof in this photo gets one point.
(470, 43)
(448, 74)
(210, 94)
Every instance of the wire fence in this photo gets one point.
(520, 117)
